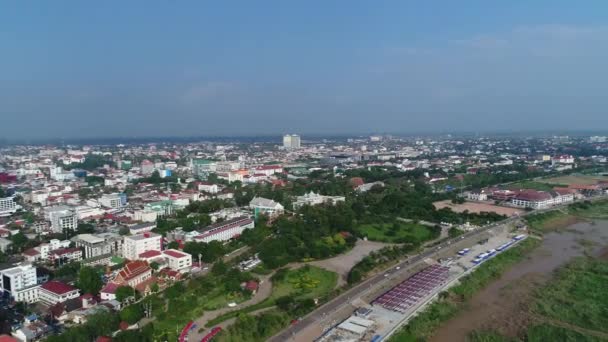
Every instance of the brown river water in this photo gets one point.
(501, 306)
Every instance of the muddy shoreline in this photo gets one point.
(502, 306)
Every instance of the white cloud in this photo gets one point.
(206, 93)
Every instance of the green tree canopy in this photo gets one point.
(89, 280)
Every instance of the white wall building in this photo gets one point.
(312, 198)
(261, 205)
(53, 292)
(7, 206)
(177, 260)
(226, 230)
(137, 244)
(291, 141)
(113, 201)
(21, 283)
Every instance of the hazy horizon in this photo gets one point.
(74, 70)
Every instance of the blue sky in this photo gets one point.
(159, 68)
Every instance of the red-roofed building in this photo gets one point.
(54, 292)
(356, 182)
(252, 286)
(108, 292)
(31, 255)
(133, 273)
(178, 261)
(7, 338)
(150, 255)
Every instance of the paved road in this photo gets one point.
(405, 266)
(359, 290)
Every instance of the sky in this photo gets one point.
(74, 69)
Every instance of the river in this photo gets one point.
(502, 305)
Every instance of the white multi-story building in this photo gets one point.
(7, 206)
(137, 244)
(113, 201)
(291, 141)
(54, 292)
(62, 218)
(177, 260)
(21, 283)
(226, 230)
(46, 248)
(312, 198)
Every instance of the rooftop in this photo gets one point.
(57, 287)
(175, 253)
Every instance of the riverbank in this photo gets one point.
(497, 298)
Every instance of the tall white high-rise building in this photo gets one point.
(291, 141)
(21, 282)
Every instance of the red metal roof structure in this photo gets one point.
(57, 287)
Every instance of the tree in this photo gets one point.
(89, 280)
(19, 240)
(124, 292)
(173, 245)
(154, 265)
(219, 268)
(102, 323)
(85, 228)
(132, 313)
(123, 231)
(154, 287)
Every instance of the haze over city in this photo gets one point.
(112, 69)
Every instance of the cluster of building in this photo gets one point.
(121, 191)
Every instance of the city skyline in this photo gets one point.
(112, 70)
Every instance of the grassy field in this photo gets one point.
(595, 210)
(304, 282)
(455, 299)
(578, 296)
(398, 232)
(541, 186)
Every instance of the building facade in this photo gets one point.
(137, 244)
(62, 218)
(312, 198)
(21, 283)
(226, 230)
(178, 261)
(7, 206)
(54, 292)
(291, 141)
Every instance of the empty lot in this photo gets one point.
(477, 207)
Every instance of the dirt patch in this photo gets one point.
(572, 179)
(343, 263)
(477, 207)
